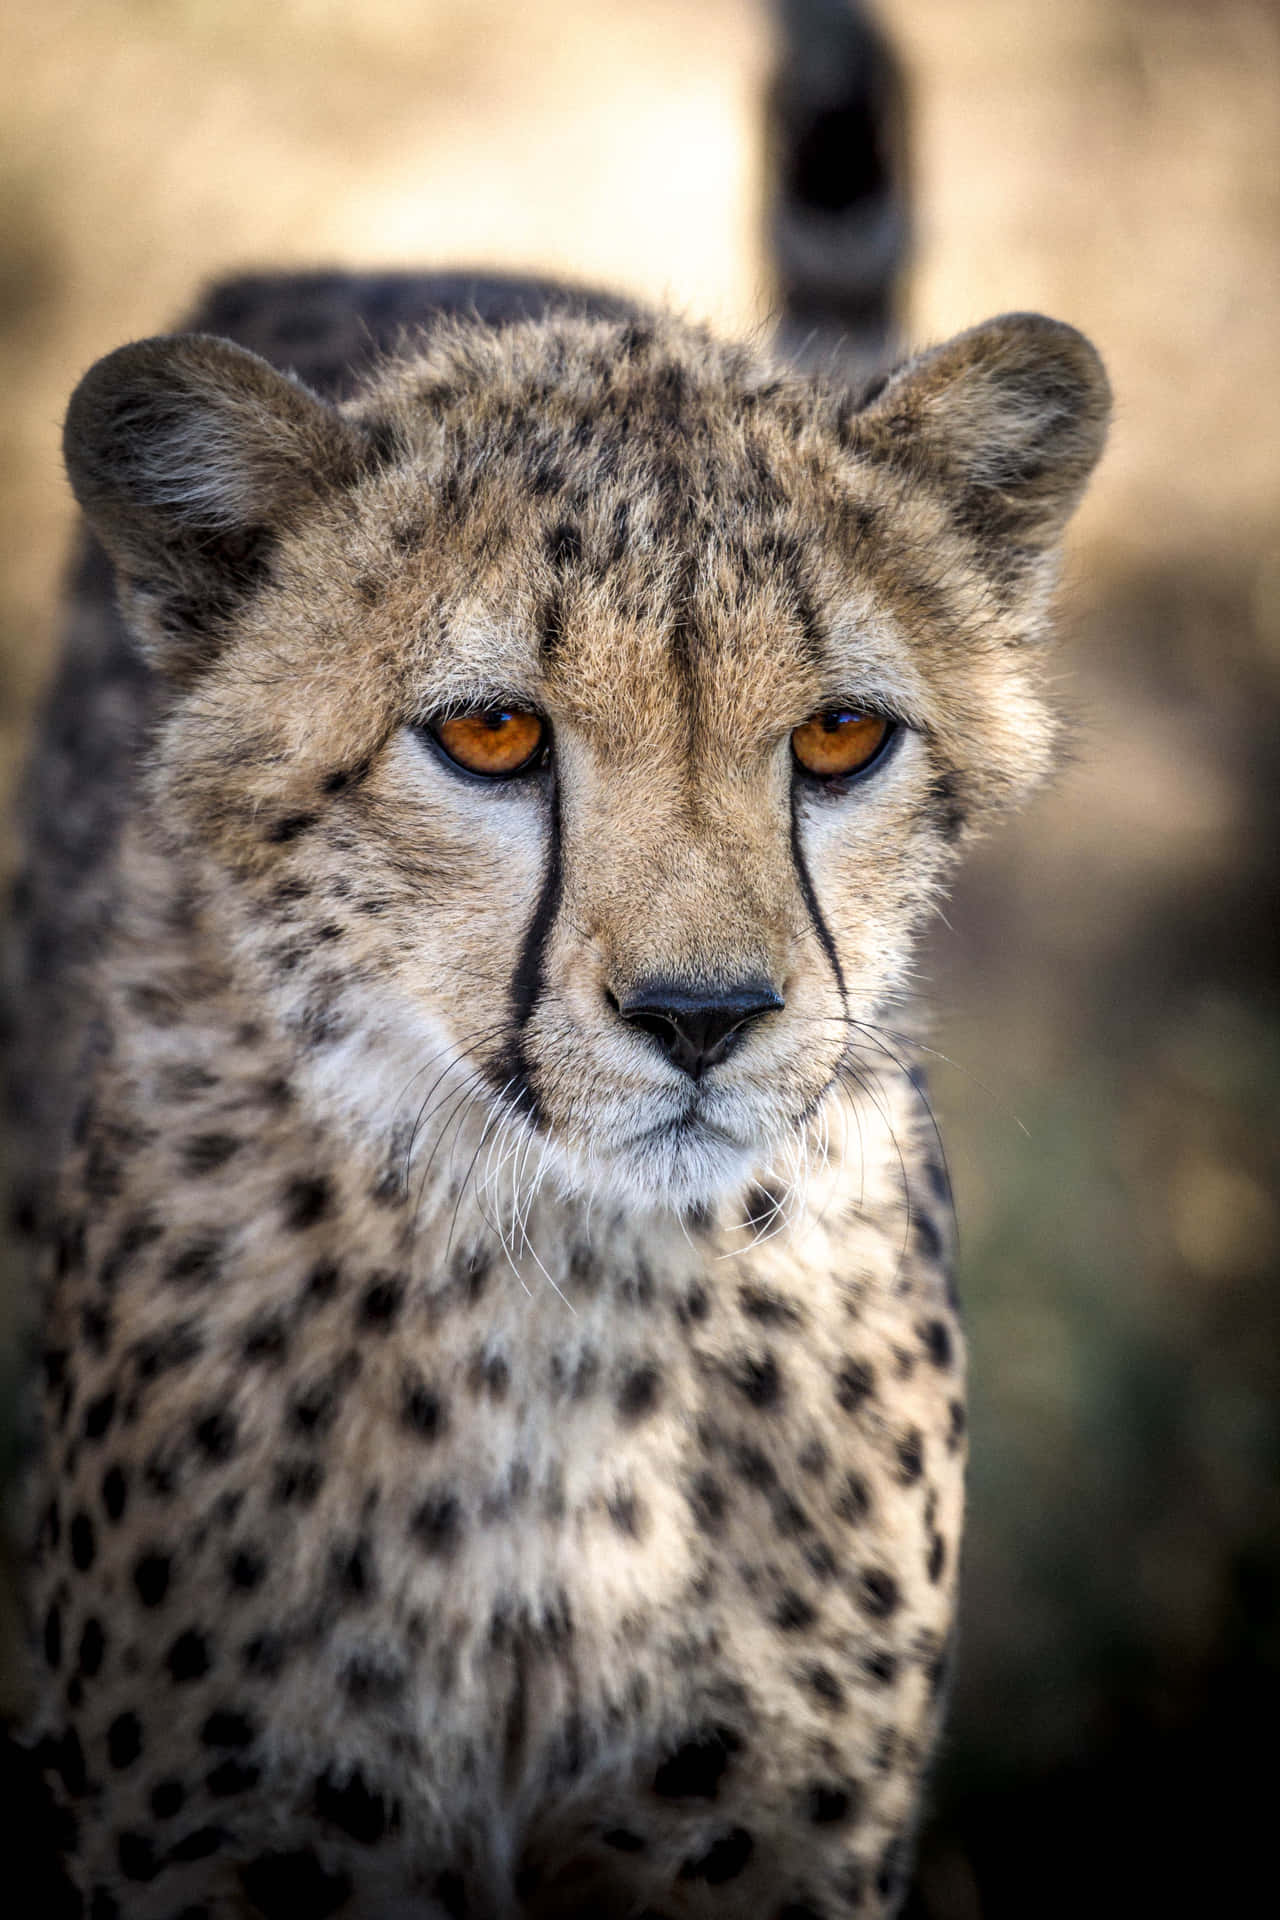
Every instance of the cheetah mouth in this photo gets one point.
(690, 1127)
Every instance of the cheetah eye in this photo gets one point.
(841, 741)
(495, 742)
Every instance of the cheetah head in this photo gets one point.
(568, 735)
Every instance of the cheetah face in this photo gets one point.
(570, 735)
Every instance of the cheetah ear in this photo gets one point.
(1011, 417)
(189, 455)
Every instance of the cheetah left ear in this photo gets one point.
(189, 455)
(1010, 417)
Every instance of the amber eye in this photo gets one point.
(841, 741)
(494, 741)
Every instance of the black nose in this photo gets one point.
(696, 1026)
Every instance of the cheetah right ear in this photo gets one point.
(1011, 417)
(189, 456)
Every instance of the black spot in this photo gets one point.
(707, 1499)
(622, 1840)
(937, 1559)
(225, 1727)
(639, 1393)
(352, 1806)
(759, 1303)
(289, 827)
(215, 1434)
(935, 1338)
(380, 1301)
(423, 1410)
(206, 1152)
(939, 1181)
(151, 1573)
(436, 1527)
(263, 1655)
(830, 1803)
(197, 1262)
(351, 1569)
(927, 1236)
(753, 1466)
(695, 1769)
(855, 1382)
(136, 1856)
(189, 1657)
(96, 1325)
(793, 1612)
(245, 1569)
(231, 1777)
(93, 1647)
(957, 1421)
(826, 1687)
(53, 1637)
(199, 1844)
(102, 1906)
(695, 1306)
(167, 1799)
(723, 1861)
(910, 1457)
(853, 1501)
(889, 1872)
(54, 1362)
(84, 1543)
(877, 1593)
(98, 1415)
(312, 1409)
(489, 1373)
(758, 1380)
(343, 777)
(368, 1681)
(789, 1517)
(882, 1668)
(305, 1202)
(813, 1458)
(124, 1740)
(296, 1483)
(266, 1343)
(820, 1560)
(629, 1515)
(179, 1344)
(161, 1472)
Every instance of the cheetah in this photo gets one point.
(503, 1427)
(501, 1446)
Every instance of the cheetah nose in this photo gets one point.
(695, 1027)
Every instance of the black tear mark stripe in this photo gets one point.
(820, 926)
(527, 981)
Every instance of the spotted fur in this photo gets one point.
(485, 1469)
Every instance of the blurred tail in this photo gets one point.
(837, 205)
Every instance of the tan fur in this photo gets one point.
(588, 1429)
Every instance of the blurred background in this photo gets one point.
(1106, 981)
